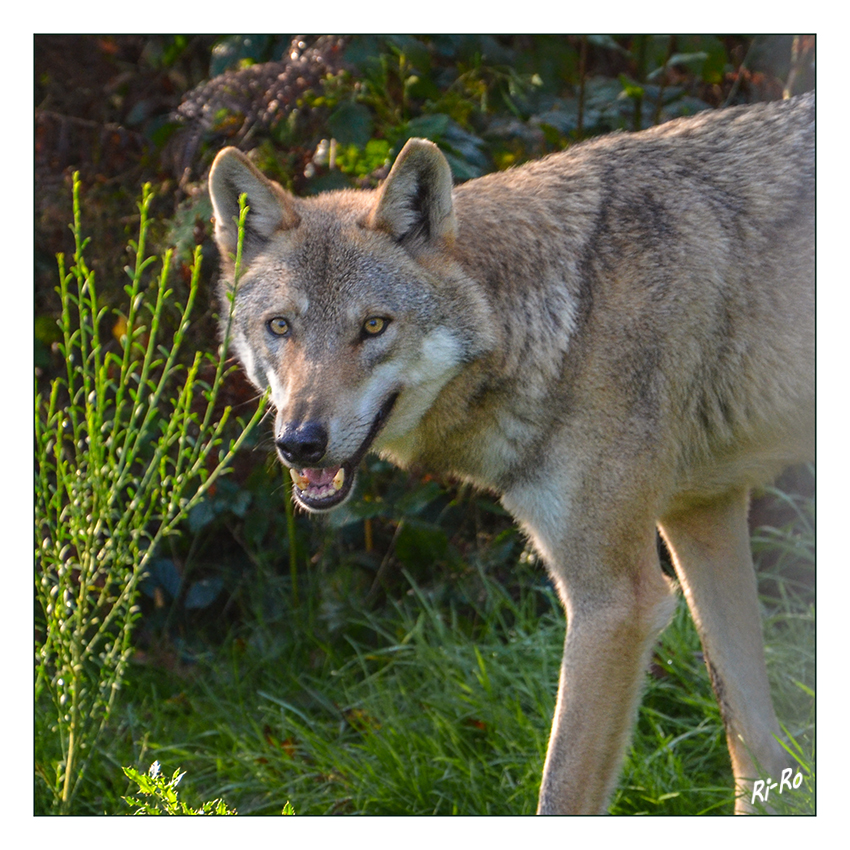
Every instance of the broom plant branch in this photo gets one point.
(127, 442)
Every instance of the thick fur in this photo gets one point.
(615, 339)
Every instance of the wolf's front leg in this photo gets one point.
(614, 615)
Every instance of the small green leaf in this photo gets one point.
(204, 592)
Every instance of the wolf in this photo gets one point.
(616, 339)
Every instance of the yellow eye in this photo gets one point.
(279, 326)
(374, 326)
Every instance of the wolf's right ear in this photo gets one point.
(271, 208)
(414, 205)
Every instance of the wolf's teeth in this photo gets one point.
(339, 478)
(300, 481)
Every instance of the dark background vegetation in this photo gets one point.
(319, 113)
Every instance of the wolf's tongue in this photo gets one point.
(320, 477)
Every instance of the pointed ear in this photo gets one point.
(271, 208)
(414, 204)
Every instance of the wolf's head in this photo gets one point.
(350, 307)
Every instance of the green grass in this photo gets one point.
(428, 705)
(409, 717)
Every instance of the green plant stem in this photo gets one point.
(122, 456)
(293, 549)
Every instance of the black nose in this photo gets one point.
(302, 443)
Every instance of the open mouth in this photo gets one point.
(323, 488)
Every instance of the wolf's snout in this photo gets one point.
(302, 443)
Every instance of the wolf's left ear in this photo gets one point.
(271, 208)
(414, 204)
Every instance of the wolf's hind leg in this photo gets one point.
(710, 545)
